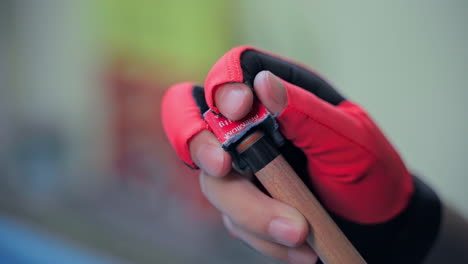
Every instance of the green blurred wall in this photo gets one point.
(184, 36)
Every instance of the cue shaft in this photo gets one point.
(283, 184)
(330, 244)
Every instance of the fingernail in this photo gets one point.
(228, 225)
(274, 97)
(211, 159)
(302, 255)
(234, 100)
(277, 88)
(285, 231)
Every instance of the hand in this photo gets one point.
(271, 227)
(351, 166)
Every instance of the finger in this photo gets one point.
(248, 207)
(295, 255)
(234, 100)
(206, 153)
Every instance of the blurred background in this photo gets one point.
(86, 173)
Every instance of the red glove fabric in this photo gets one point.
(181, 118)
(353, 168)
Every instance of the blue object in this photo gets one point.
(22, 244)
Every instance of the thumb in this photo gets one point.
(310, 123)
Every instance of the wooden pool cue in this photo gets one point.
(283, 184)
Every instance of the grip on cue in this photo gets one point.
(280, 180)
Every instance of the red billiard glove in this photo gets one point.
(353, 169)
